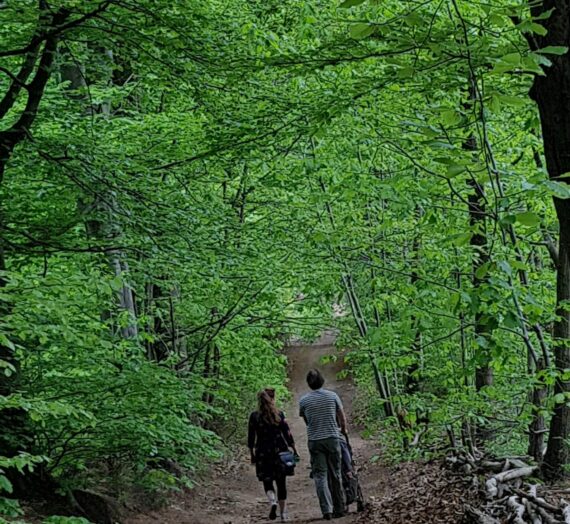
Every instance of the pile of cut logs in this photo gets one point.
(511, 492)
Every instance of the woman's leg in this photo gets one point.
(282, 493)
(269, 491)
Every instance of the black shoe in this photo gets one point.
(339, 515)
(327, 516)
(273, 512)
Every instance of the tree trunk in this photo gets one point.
(103, 203)
(484, 371)
(537, 427)
(13, 438)
(476, 207)
(557, 452)
(157, 350)
(552, 95)
(412, 379)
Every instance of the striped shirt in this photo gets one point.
(319, 409)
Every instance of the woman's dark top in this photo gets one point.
(268, 440)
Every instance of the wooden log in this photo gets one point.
(539, 501)
(502, 489)
(479, 516)
(532, 512)
(547, 517)
(565, 511)
(491, 465)
(518, 463)
(491, 488)
(518, 510)
(512, 474)
(475, 483)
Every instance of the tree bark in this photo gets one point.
(100, 221)
(15, 419)
(484, 371)
(557, 452)
(537, 427)
(552, 95)
(477, 221)
(412, 379)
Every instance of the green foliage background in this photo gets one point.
(238, 160)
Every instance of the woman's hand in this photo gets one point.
(295, 454)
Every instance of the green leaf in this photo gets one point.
(6, 342)
(455, 169)
(505, 266)
(511, 58)
(10, 507)
(528, 218)
(5, 484)
(544, 16)
(558, 189)
(116, 283)
(450, 117)
(499, 20)
(511, 320)
(462, 239)
(406, 72)
(538, 29)
(413, 19)
(438, 144)
(375, 336)
(553, 50)
(507, 220)
(361, 31)
(482, 270)
(513, 100)
(351, 3)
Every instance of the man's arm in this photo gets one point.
(340, 415)
(341, 419)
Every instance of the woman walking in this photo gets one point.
(268, 436)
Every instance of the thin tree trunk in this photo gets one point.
(477, 212)
(381, 382)
(537, 427)
(103, 203)
(412, 380)
(484, 371)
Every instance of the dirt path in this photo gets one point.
(237, 497)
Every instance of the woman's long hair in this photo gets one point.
(267, 408)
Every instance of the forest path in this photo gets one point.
(237, 497)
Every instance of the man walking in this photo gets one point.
(323, 413)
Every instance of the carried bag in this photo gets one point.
(287, 460)
(287, 463)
